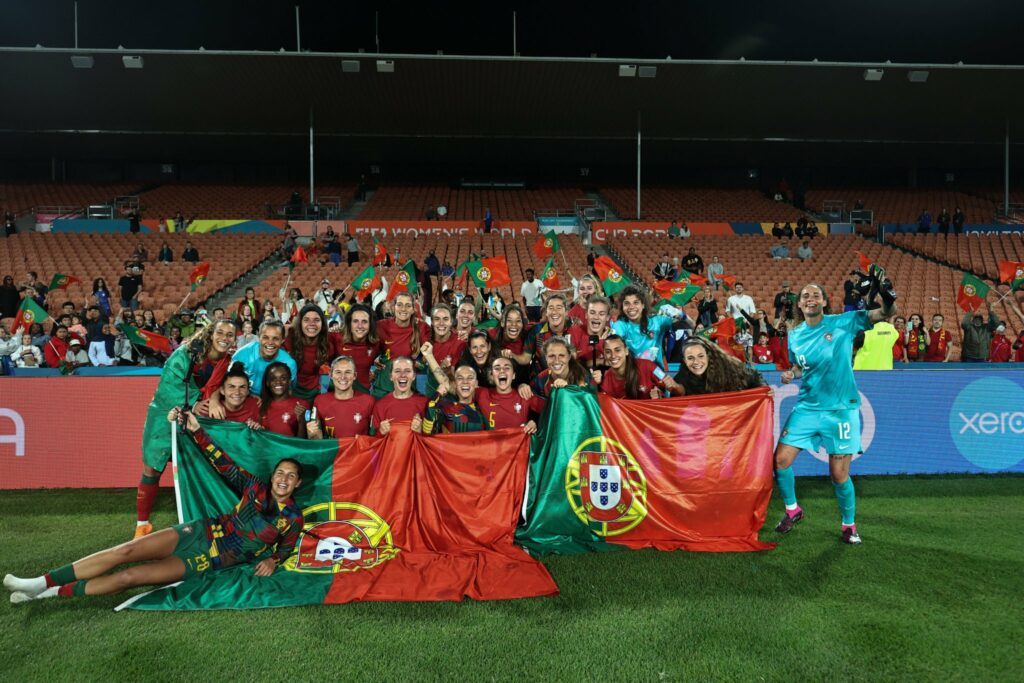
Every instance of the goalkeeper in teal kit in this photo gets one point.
(827, 413)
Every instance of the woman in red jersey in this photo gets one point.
(445, 346)
(502, 406)
(311, 346)
(343, 412)
(629, 377)
(359, 341)
(280, 412)
(403, 403)
(588, 286)
(400, 336)
(238, 404)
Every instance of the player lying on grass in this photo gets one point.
(262, 528)
(827, 412)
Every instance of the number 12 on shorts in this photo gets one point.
(844, 430)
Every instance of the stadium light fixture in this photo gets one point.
(917, 76)
(132, 61)
(82, 61)
(647, 71)
(627, 70)
(385, 66)
(350, 66)
(873, 74)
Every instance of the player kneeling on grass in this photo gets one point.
(827, 412)
(266, 518)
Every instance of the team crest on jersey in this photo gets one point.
(341, 537)
(606, 487)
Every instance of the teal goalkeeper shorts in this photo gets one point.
(838, 431)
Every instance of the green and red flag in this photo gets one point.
(971, 295)
(62, 281)
(1012, 273)
(546, 245)
(867, 264)
(676, 293)
(691, 473)
(728, 282)
(405, 280)
(152, 340)
(691, 278)
(29, 312)
(723, 329)
(380, 253)
(299, 256)
(405, 517)
(198, 274)
(613, 280)
(550, 275)
(489, 272)
(366, 282)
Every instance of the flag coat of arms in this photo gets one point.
(62, 281)
(403, 517)
(691, 278)
(28, 312)
(1012, 273)
(613, 280)
(691, 473)
(676, 293)
(489, 272)
(550, 275)
(971, 295)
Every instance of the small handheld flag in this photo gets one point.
(199, 273)
(62, 281)
(29, 312)
(972, 293)
(405, 281)
(612, 278)
(546, 245)
(550, 275)
(1012, 273)
(366, 282)
(298, 257)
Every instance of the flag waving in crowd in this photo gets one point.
(62, 281)
(550, 275)
(489, 272)
(366, 282)
(199, 273)
(613, 280)
(29, 312)
(546, 245)
(676, 293)
(405, 281)
(971, 295)
(1012, 273)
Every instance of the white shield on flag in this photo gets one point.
(605, 486)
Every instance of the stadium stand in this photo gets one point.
(21, 197)
(924, 286)
(904, 206)
(228, 201)
(979, 254)
(413, 202)
(103, 255)
(697, 204)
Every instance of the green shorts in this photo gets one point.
(193, 548)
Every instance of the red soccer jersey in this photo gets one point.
(515, 345)
(397, 340)
(999, 349)
(309, 364)
(578, 313)
(1018, 356)
(398, 409)
(249, 410)
(615, 386)
(938, 345)
(281, 417)
(502, 410)
(580, 338)
(761, 354)
(363, 354)
(452, 349)
(340, 418)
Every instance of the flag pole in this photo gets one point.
(183, 302)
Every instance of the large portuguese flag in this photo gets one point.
(690, 473)
(403, 517)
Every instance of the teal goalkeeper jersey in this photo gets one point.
(825, 354)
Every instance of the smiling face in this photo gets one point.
(360, 325)
(615, 354)
(284, 480)
(513, 324)
(402, 376)
(343, 374)
(479, 349)
(278, 380)
(503, 374)
(465, 384)
(271, 339)
(556, 313)
(695, 356)
(811, 303)
(586, 289)
(632, 307)
(311, 324)
(465, 316)
(223, 338)
(236, 390)
(597, 317)
(403, 309)
(557, 358)
(441, 322)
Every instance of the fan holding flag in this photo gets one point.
(827, 413)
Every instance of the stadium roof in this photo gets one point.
(211, 93)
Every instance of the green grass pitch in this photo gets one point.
(936, 592)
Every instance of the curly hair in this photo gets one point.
(201, 341)
(297, 338)
(502, 337)
(724, 373)
(633, 290)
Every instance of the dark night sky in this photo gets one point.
(942, 31)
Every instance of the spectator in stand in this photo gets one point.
(804, 251)
(351, 248)
(246, 337)
(102, 294)
(999, 350)
(943, 219)
(10, 226)
(325, 295)
(707, 308)
(9, 344)
(924, 222)
(131, 286)
(758, 323)
(739, 302)
(940, 342)
(180, 224)
(760, 353)
(776, 230)
(248, 302)
(852, 300)
(27, 355)
(684, 230)
(1018, 345)
(785, 301)
(101, 348)
(140, 254)
(488, 220)
(9, 299)
(692, 262)
(663, 269)
(292, 302)
(958, 221)
(673, 230)
(190, 254)
(916, 339)
(715, 272)
(403, 403)
(76, 357)
(165, 255)
(531, 292)
(332, 248)
(899, 353)
(787, 230)
(269, 312)
(174, 338)
(978, 335)
(133, 221)
(184, 321)
(780, 252)
(56, 348)
(39, 336)
(94, 322)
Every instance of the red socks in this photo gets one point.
(146, 497)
